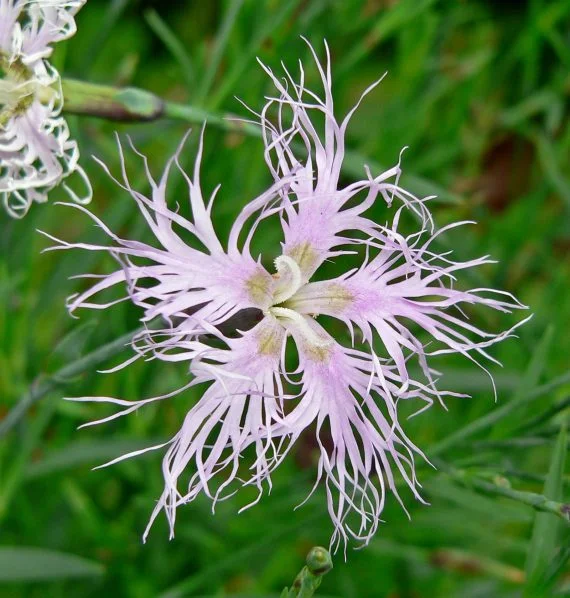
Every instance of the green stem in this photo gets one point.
(199, 116)
(62, 377)
(538, 502)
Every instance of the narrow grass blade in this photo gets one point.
(112, 15)
(36, 564)
(550, 166)
(73, 343)
(13, 468)
(173, 45)
(90, 453)
(272, 24)
(219, 47)
(527, 382)
(449, 559)
(544, 417)
(389, 21)
(546, 529)
(557, 566)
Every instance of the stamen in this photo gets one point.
(290, 279)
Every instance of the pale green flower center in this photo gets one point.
(289, 279)
(18, 89)
(290, 300)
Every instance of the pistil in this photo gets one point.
(290, 279)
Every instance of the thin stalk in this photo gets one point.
(198, 116)
(538, 502)
(486, 422)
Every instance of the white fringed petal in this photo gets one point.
(36, 151)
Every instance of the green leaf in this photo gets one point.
(91, 453)
(546, 528)
(37, 564)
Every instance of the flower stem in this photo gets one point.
(199, 116)
(309, 579)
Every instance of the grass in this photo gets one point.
(479, 92)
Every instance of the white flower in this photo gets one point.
(36, 151)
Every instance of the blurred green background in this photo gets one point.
(479, 91)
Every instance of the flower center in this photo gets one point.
(18, 89)
(289, 280)
(297, 321)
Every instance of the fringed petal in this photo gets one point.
(348, 393)
(404, 288)
(36, 151)
(316, 210)
(171, 280)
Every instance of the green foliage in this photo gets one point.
(479, 92)
(546, 530)
(34, 564)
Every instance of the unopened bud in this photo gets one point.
(127, 104)
(319, 561)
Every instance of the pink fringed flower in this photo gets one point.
(401, 291)
(36, 152)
